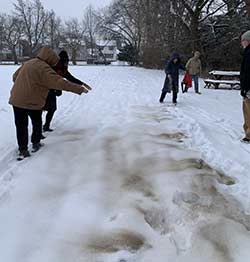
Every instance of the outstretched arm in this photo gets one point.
(50, 78)
(74, 80)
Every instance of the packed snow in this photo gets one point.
(124, 178)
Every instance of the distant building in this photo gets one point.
(7, 55)
(103, 52)
(81, 54)
(108, 49)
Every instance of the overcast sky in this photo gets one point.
(63, 8)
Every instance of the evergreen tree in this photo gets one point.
(128, 53)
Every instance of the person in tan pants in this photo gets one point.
(245, 84)
(246, 114)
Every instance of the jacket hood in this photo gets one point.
(174, 55)
(49, 56)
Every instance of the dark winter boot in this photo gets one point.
(245, 140)
(163, 94)
(174, 99)
(43, 137)
(36, 147)
(47, 129)
(22, 154)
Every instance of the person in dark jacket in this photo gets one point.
(51, 104)
(172, 77)
(245, 84)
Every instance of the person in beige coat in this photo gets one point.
(193, 67)
(32, 82)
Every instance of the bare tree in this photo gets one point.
(159, 31)
(122, 20)
(247, 2)
(53, 30)
(1, 35)
(34, 18)
(73, 37)
(90, 23)
(12, 33)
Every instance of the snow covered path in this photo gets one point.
(126, 179)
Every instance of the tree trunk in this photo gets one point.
(103, 56)
(74, 57)
(195, 34)
(14, 55)
(248, 7)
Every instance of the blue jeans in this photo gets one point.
(195, 78)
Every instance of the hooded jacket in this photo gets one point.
(172, 69)
(33, 80)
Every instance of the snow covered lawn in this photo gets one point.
(124, 178)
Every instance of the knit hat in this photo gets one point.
(246, 36)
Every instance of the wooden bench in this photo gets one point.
(234, 84)
(226, 78)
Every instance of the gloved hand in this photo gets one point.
(86, 86)
(83, 89)
(243, 93)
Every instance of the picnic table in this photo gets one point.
(228, 78)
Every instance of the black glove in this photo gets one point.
(243, 93)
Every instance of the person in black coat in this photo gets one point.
(51, 103)
(50, 107)
(245, 84)
(172, 77)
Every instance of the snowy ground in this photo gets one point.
(126, 179)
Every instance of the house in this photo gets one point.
(104, 51)
(107, 50)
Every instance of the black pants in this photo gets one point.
(49, 117)
(174, 95)
(22, 121)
